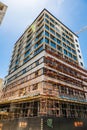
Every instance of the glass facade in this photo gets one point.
(53, 44)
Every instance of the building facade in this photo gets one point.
(3, 9)
(46, 75)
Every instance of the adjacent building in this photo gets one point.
(1, 83)
(46, 74)
(3, 9)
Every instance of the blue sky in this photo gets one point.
(21, 13)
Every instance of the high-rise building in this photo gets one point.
(3, 9)
(46, 78)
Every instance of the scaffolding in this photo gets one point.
(61, 93)
(43, 106)
(60, 56)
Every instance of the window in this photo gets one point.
(27, 53)
(66, 31)
(63, 39)
(73, 45)
(57, 24)
(74, 57)
(46, 27)
(77, 45)
(58, 35)
(40, 22)
(52, 37)
(51, 25)
(63, 34)
(38, 43)
(52, 31)
(70, 91)
(28, 46)
(80, 57)
(63, 90)
(64, 45)
(76, 40)
(29, 39)
(46, 21)
(38, 50)
(46, 16)
(39, 28)
(16, 62)
(68, 48)
(70, 35)
(46, 33)
(25, 60)
(24, 71)
(73, 51)
(82, 94)
(67, 42)
(59, 48)
(37, 62)
(38, 36)
(47, 40)
(67, 37)
(58, 41)
(51, 20)
(76, 93)
(79, 51)
(65, 52)
(53, 44)
(81, 63)
(69, 54)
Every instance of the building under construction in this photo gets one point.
(46, 86)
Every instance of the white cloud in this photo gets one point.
(21, 4)
(23, 10)
(60, 2)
